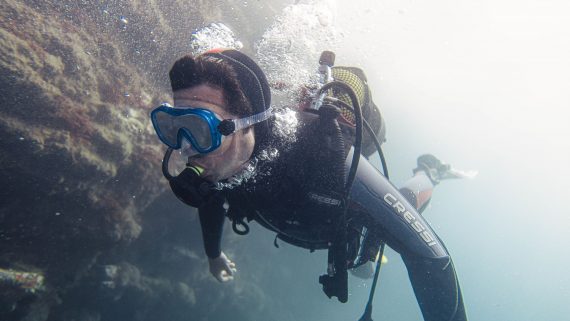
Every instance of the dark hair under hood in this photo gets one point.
(254, 85)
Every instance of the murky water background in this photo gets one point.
(483, 85)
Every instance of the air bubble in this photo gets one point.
(215, 35)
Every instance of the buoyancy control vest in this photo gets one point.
(311, 206)
(297, 194)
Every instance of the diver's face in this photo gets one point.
(236, 149)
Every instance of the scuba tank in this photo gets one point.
(357, 81)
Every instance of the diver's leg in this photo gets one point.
(429, 265)
(436, 288)
(389, 210)
(418, 190)
(427, 175)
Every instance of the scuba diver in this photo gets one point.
(316, 191)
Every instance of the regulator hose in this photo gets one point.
(358, 136)
(165, 161)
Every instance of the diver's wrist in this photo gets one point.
(215, 257)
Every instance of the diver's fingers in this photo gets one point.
(221, 276)
(230, 268)
(225, 277)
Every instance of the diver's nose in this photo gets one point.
(187, 150)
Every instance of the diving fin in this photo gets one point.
(456, 173)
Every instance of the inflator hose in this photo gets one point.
(358, 136)
(337, 283)
(370, 132)
(367, 316)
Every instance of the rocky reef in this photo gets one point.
(83, 203)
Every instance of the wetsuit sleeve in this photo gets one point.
(212, 222)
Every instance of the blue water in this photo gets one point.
(482, 85)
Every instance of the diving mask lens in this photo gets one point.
(165, 129)
(196, 125)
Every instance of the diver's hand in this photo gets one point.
(222, 268)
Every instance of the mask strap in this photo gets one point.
(230, 126)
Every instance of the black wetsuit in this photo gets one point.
(277, 200)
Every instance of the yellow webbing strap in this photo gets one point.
(356, 83)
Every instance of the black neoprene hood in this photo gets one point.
(253, 84)
(251, 78)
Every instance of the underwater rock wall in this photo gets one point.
(80, 166)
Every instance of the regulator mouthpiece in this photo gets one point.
(197, 169)
(188, 186)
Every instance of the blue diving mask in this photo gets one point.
(202, 128)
